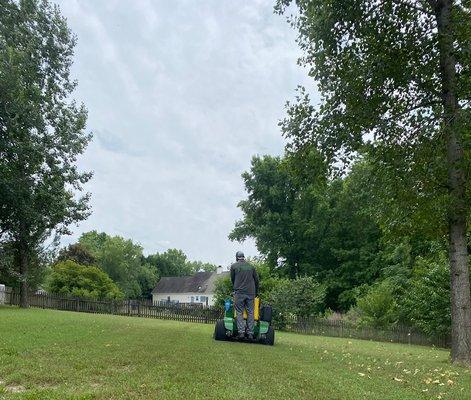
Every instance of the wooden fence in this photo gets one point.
(136, 308)
(209, 315)
(345, 329)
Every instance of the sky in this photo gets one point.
(181, 95)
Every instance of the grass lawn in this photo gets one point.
(46, 354)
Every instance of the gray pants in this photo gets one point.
(242, 301)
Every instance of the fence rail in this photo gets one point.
(209, 315)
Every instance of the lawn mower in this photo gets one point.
(226, 329)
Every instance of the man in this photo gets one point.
(244, 279)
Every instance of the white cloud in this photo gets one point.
(180, 95)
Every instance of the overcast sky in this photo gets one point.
(181, 95)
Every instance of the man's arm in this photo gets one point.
(232, 275)
(256, 280)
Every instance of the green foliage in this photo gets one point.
(378, 307)
(223, 290)
(318, 227)
(381, 90)
(147, 277)
(273, 185)
(394, 79)
(174, 262)
(77, 253)
(121, 259)
(397, 261)
(301, 296)
(72, 279)
(38, 267)
(201, 266)
(427, 302)
(41, 130)
(135, 273)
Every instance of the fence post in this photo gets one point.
(2, 294)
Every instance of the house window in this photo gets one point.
(168, 299)
(197, 298)
(192, 299)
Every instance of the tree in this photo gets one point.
(173, 262)
(147, 278)
(122, 260)
(37, 267)
(77, 253)
(271, 211)
(319, 227)
(395, 82)
(201, 266)
(70, 278)
(41, 131)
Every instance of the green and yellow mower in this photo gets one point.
(226, 329)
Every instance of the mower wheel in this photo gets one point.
(220, 330)
(270, 337)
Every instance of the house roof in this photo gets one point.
(201, 282)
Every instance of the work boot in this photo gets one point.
(250, 337)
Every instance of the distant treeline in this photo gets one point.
(104, 266)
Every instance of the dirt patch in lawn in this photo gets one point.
(15, 389)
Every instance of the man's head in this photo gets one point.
(240, 256)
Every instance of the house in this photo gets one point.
(198, 288)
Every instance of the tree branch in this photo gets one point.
(433, 3)
(416, 107)
(414, 6)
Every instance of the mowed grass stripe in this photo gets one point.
(47, 354)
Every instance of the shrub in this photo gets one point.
(70, 278)
(222, 290)
(302, 297)
(378, 307)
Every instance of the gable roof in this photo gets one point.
(201, 282)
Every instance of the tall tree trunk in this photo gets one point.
(457, 215)
(23, 261)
